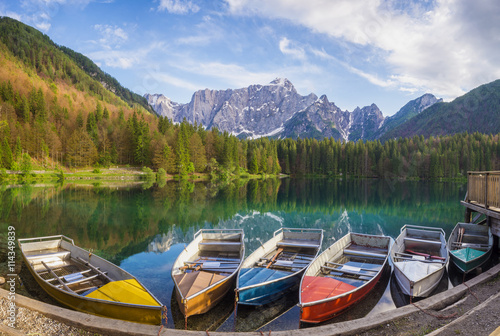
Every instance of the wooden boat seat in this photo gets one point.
(364, 253)
(219, 246)
(350, 271)
(433, 261)
(471, 245)
(80, 280)
(71, 276)
(422, 241)
(300, 243)
(37, 257)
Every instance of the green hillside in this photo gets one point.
(476, 111)
(56, 63)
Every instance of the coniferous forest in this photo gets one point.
(59, 110)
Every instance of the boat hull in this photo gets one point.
(474, 236)
(205, 301)
(199, 288)
(466, 266)
(420, 288)
(324, 294)
(112, 309)
(268, 292)
(275, 277)
(418, 275)
(326, 310)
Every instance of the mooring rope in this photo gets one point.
(440, 317)
(470, 290)
(164, 317)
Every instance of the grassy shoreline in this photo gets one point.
(138, 174)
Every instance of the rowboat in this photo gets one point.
(85, 282)
(206, 269)
(419, 256)
(277, 265)
(342, 275)
(470, 246)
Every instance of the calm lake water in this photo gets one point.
(143, 228)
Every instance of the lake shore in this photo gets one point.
(458, 311)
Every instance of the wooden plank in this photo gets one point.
(95, 269)
(477, 208)
(55, 276)
(424, 261)
(84, 279)
(61, 277)
(363, 269)
(495, 226)
(333, 269)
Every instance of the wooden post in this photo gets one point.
(486, 190)
(467, 198)
(468, 215)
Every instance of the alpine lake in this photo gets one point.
(142, 227)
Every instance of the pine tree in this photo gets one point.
(7, 157)
(197, 153)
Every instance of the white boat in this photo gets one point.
(419, 256)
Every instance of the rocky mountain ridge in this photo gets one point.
(275, 110)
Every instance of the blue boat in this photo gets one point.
(277, 265)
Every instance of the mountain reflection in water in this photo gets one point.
(143, 228)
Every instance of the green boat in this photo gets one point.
(470, 246)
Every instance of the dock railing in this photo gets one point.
(483, 189)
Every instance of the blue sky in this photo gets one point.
(357, 52)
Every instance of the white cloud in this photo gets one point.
(289, 48)
(175, 81)
(206, 32)
(39, 13)
(178, 6)
(446, 47)
(111, 36)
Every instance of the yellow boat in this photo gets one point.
(87, 283)
(206, 269)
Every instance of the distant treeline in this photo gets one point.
(52, 134)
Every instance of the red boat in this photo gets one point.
(342, 275)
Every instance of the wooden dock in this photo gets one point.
(483, 198)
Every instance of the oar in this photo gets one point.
(275, 256)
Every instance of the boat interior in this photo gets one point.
(290, 255)
(424, 246)
(214, 260)
(57, 267)
(472, 238)
(356, 265)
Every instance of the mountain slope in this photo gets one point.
(38, 51)
(476, 111)
(411, 109)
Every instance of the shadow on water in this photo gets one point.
(250, 318)
(209, 321)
